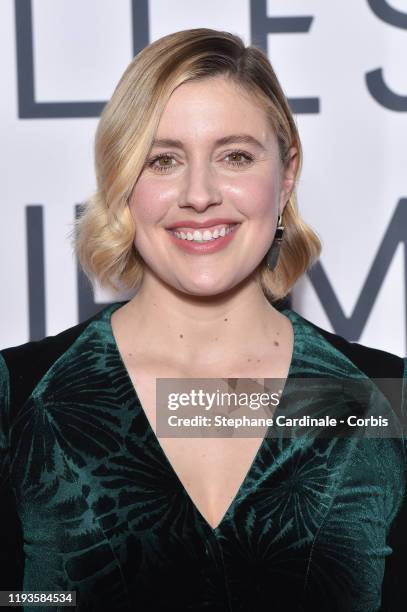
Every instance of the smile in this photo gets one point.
(204, 241)
(205, 235)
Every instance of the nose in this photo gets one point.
(200, 188)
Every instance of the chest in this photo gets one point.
(211, 469)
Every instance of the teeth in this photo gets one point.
(198, 236)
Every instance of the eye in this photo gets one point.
(161, 163)
(239, 158)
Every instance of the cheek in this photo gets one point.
(254, 195)
(149, 201)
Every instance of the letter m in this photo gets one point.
(352, 327)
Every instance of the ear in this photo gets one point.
(289, 176)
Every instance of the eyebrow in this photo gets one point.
(225, 140)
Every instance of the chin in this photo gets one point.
(206, 288)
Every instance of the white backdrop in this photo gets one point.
(343, 67)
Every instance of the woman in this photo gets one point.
(197, 158)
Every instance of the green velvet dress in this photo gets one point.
(90, 502)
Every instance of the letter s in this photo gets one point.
(374, 79)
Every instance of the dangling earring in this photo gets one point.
(273, 252)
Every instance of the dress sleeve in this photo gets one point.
(394, 591)
(11, 550)
(4, 422)
(404, 405)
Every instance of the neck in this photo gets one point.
(196, 331)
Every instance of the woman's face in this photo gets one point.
(215, 159)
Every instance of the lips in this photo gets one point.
(204, 247)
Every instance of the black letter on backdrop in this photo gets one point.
(387, 13)
(352, 327)
(261, 25)
(28, 108)
(374, 79)
(36, 271)
(87, 307)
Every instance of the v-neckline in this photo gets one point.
(291, 315)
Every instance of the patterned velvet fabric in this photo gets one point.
(90, 502)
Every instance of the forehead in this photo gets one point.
(207, 107)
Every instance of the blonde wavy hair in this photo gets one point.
(104, 232)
